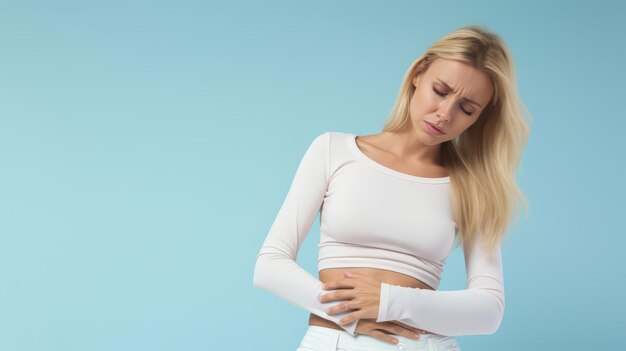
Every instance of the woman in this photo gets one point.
(393, 205)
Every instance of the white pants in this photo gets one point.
(319, 338)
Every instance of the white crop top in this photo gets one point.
(377, 217)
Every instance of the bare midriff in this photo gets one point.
(389, 277)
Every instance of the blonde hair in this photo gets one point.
(482, 161)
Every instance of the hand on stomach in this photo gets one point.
(379, 330)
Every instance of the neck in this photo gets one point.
(407, 145)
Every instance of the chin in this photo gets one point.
(428, 139)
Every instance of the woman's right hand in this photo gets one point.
(375, 329)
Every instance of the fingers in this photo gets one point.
(360, 310)
(378, 329)
(340, 283)
(406, 326)
(342, 307)
(357, 313)
(326, 297)
(336, 295)
(398, 330)
(382, 336)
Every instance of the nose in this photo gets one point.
(444, 109)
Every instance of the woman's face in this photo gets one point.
(453, 107)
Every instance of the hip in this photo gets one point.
(318, 338)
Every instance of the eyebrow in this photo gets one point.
(449, 87)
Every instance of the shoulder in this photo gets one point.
(334, 145)
(332, 135)
(330, 138)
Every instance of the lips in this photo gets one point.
(432, 125)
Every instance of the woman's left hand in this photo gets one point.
(363, 296)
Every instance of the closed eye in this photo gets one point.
(438, 93)
(443, 94)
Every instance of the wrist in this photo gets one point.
(384, 302)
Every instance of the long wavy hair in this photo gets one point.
(482, 160)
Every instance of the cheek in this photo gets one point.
(462, 126)
(422, 102)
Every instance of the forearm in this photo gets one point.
(454, 313)
(284, 278)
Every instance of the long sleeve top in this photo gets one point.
(374, 216)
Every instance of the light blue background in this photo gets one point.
(146, 147)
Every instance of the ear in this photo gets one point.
(416, 80)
